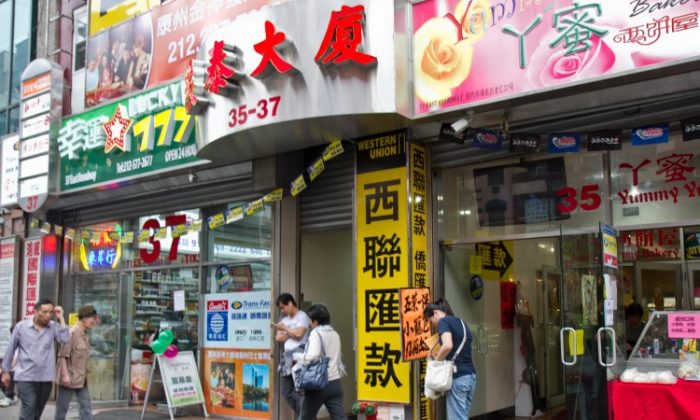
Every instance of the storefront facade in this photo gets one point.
(250, 165)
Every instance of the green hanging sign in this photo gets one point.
(141, 135)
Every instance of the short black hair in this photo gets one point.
(634, 309)
(319, 313)
(285, 298)
(41, 302)
(439, 305)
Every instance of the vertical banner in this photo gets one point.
(382, 266)
(609, 246)
(237, 363)
(30, 276)
(420, 274)
(8, 273)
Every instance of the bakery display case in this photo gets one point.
(657, 350)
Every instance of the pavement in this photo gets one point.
(12, 412)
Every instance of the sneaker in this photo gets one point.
(6, 402)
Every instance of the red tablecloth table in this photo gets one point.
(654, 401)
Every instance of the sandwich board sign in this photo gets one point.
(180, 382)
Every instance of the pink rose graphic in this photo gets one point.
(550, 66)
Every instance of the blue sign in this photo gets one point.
(476, 287)
(564, 143)
(217, 326)
(101, 257)
(487, 139)
(652, 134)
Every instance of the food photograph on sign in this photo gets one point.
(237, 382)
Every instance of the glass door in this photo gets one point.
(109, 339)
(592, 320)
(551, 281)
(478, 303)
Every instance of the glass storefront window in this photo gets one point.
(5, 52)
(249, 239)
(153, 305)
(521, 196)
(655, 183)
(109, 339)
(21, 44)
(242, 252)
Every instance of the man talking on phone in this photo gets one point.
(293, 332)
(35, 340)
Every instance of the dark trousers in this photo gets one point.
(34, 396)
(63, 397)
(331, 396)
(290, 393)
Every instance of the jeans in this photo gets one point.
(290, 393)
(331, 396)
(63, 397)
(34, 396)
(459, 397)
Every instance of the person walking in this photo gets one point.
(34, 339)
(9, 390)
(324, 341)
(456, 345)
(293, 331)
(73, 366)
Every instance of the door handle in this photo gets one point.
(600, 347)
(562, 347)
(481, 332)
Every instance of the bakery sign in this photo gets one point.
(144, 134)
(650, 244)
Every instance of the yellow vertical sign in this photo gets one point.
(382, 266)
(420, 273)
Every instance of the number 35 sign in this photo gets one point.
(587, 200)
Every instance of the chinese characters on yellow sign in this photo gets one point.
(382, 266)
(420, 262)
(496, 260)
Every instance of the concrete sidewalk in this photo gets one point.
(12, 412)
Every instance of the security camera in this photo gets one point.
(460, 125)
(192, 177)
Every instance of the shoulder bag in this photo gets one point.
(313, 375)
(438, 374)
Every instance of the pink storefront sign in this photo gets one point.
(474, 51)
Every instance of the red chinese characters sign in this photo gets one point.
(341, 44)
(31, 276)
(650, 244)
(676, 170)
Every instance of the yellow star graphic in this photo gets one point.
(116, 130)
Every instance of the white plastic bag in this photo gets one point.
(438, 375)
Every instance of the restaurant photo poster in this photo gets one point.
(237, 382)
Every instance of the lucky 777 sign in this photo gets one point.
(133, 137)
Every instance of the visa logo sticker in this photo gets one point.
(564, 143)
(653, 134)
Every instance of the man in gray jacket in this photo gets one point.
(34, 339)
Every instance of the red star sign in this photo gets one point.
(116, 130)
